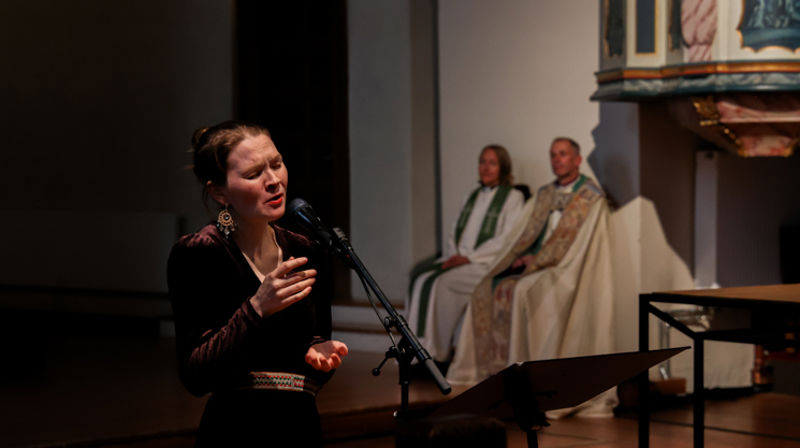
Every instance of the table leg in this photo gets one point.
(699, 394)
(644, 380)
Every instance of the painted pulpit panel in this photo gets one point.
(614, 28)
(725, 56)
(774, 23)
(699, 28)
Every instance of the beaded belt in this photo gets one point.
(283, 381)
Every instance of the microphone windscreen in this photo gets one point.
(302, 213)
(296, 205)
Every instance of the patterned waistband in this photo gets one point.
(283, 381)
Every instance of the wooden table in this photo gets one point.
(764, 316)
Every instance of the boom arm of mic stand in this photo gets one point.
(343, 247)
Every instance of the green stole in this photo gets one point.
(489, 220)
(534, 248)
(487, 230)
(537, 245)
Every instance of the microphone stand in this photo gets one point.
(409, 346)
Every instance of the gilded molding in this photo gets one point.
(790, 148)
(711, 68)
(706, 108)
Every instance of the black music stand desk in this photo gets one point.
(524, 391)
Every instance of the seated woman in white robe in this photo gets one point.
(439, 294)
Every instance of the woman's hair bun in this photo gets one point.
(197, 136)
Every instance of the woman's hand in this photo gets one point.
(282, 287)
(523, 261)
(455, 260)
(327, 355)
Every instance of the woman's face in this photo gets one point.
(256, 180)
(489, 168)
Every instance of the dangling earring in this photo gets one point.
(225, 222)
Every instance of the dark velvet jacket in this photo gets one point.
(219, 336)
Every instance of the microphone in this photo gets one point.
(302, 213)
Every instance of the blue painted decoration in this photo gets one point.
(770, 23)
(645, 26)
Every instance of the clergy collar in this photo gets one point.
(569, 185)
(488, 189)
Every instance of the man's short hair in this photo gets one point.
(575, 146)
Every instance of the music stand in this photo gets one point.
(524, 391)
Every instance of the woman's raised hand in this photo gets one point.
(283, 287)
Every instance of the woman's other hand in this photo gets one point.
(283, 287)
(455, 260)
(522, 261)
(327, 355)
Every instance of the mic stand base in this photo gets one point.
(404, 355)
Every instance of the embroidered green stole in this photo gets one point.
(537, 245)
(491, 302)
(486, 232)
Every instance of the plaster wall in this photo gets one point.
(392, 145)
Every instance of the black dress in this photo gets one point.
(221, 339)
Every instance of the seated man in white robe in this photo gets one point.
(549, 292)
(439, 292)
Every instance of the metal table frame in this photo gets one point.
(778, 300)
